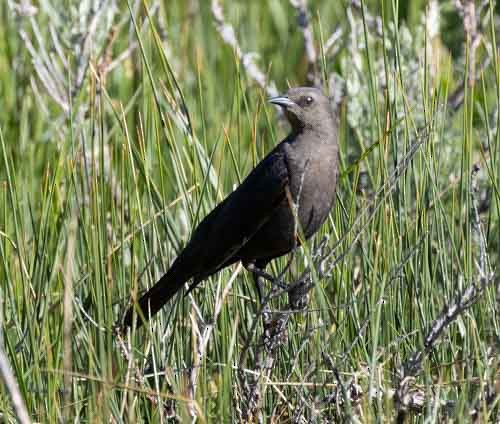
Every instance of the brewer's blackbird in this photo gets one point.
(290, 192)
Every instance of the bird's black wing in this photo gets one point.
(233, 222)
(221, 234)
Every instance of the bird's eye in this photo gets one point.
(309, 100)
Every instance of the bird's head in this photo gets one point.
(305, 107)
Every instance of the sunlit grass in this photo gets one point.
(106, 198)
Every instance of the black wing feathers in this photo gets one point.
(218, 238)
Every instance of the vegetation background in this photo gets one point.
(123, 124)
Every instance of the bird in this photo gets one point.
(283, 200)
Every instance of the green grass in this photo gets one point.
(96, 201)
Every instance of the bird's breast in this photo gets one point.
(312, 180)
(314, 191)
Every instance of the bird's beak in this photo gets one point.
(282, 101)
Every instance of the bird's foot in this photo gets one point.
(260, 273)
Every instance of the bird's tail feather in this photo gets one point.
(153, 300)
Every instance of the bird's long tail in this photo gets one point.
(153, 300)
